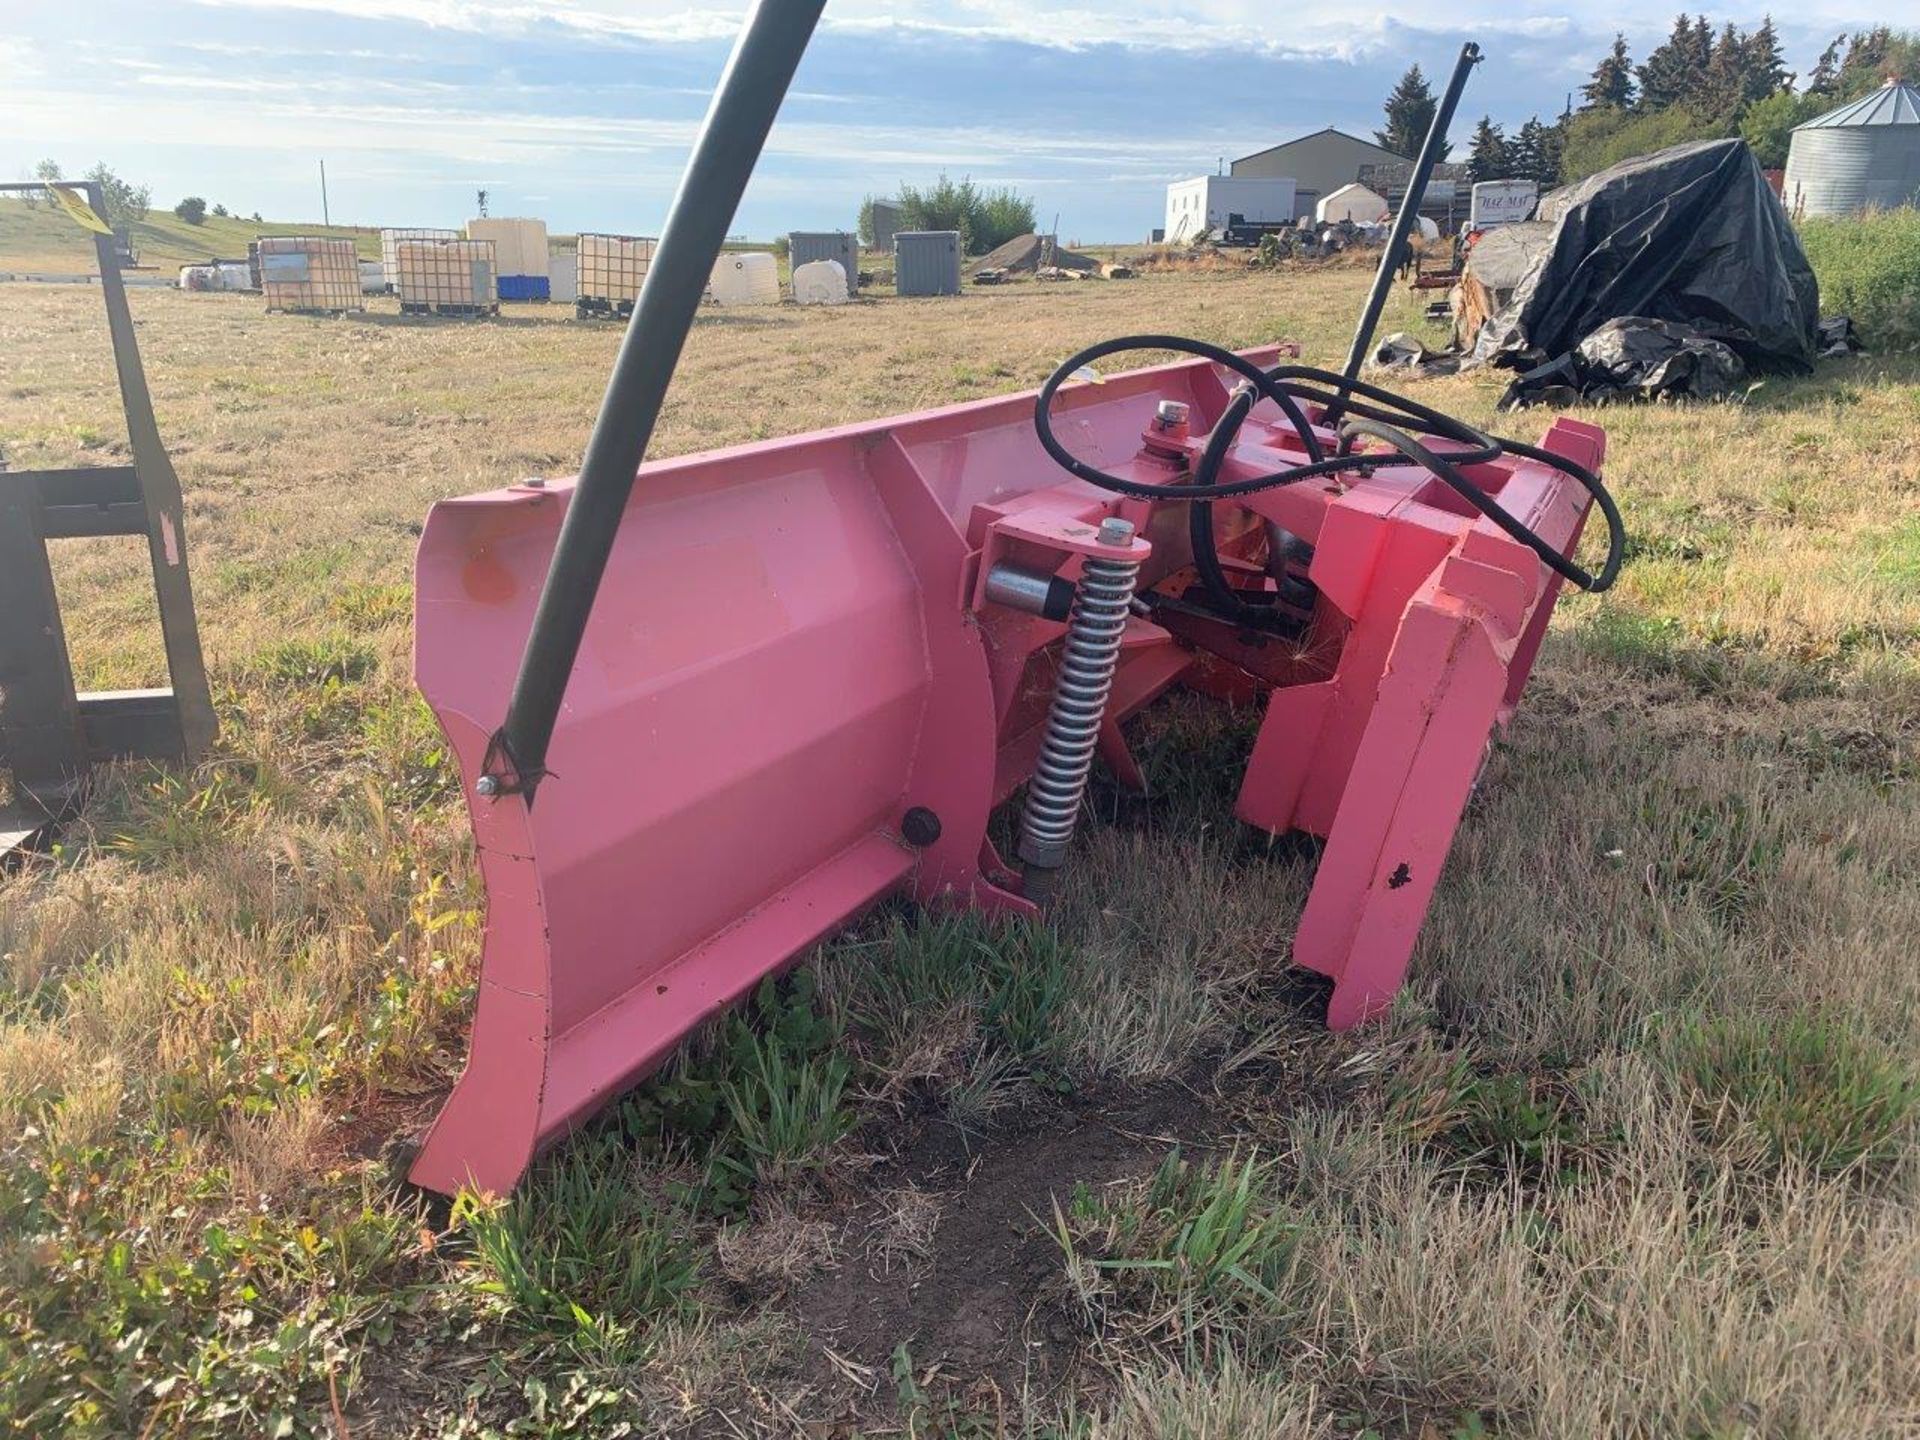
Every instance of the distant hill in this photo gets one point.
(44, 239)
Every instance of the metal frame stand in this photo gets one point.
(51, 735)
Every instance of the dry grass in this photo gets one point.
(1524, 1203)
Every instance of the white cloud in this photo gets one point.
(1343, 32)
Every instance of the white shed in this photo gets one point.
(1208, 201)
(1353, 202)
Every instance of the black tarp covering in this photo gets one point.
(1692, 235)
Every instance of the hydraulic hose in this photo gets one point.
(1378, 414)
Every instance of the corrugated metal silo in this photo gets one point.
(1864, 155)
(926, 262)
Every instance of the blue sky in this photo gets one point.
(581, 111)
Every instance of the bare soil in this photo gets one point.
(980, 1306)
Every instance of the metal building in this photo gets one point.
(806, 246)
(926, 262)
(886, 223)
(1862, 156)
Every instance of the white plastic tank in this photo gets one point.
(820, 282)
(197, 277)
(752, 278)
(233, 275)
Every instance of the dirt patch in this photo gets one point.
(976, 1311)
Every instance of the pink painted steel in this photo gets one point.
(792, 649)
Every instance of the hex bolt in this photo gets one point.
(487, 785)
(1171, 412)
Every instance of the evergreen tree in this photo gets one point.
(1765, 67)
(1611, 86)
(1722, 90)
(1409, 110)
(1534, 153)
(1700, 45)
(1826, 70)
(1488, 160)
(1675, 69)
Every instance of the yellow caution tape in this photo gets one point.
(83, 214)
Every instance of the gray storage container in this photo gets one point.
(926, 262)
(806, 246)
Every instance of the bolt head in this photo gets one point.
(1172, 412)
(487, 785)
(1115, 531)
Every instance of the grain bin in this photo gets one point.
(447, 277)
(752, 278)
(307, 272)
(520, 250)
(806, 246)
(389, 257)
(1862, 156)
(611, 268)
(926, 262)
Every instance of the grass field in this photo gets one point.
(1635, 1154)
(42, 239)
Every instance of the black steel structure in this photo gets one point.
(50, 735)
(743, 109)
(1409, 212)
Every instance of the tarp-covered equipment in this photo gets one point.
(1691, 235)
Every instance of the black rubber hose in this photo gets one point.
(1487, 506)
(1394, 419)
(1223, 599)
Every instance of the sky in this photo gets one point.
(581, 112)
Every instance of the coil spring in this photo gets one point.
(1087, 664)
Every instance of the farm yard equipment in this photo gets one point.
(50, 734)
(708, 710)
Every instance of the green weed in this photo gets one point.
(1869, 267)
(763, 1101)
(582, 1251)
(1803, 1089)
(1196, 1247)
(110, 1327)
(966, 1005)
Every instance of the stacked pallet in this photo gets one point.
(447, 277)
(307, 273)
(611, 269)
(390, 248)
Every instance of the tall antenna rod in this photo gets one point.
(1404, 222)
(755, 81)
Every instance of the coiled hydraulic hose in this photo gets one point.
(1378, 414)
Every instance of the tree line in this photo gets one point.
(1697, 84)
(986, 219)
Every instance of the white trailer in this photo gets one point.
(1207, 202)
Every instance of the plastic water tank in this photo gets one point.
(749, 279)
(820, 282)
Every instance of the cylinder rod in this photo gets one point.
(738, 119)
(1404, 221)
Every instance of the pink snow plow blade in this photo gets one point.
(802, 688)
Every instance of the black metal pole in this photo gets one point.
(744, 105)
(1409, 214)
